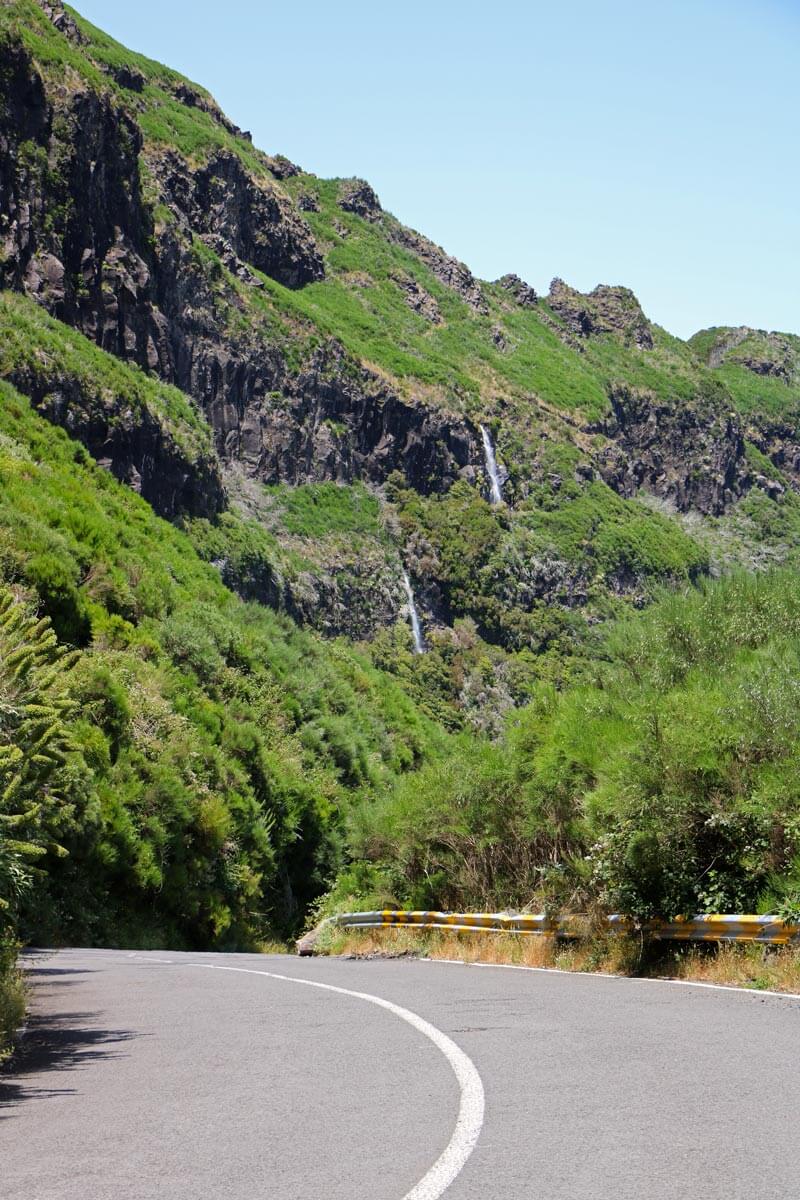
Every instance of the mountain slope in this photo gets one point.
(306, 394)
(323, 340)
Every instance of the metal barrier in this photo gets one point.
(705, 927)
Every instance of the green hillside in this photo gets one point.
(239, 406)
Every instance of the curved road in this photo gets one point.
(151, 1075)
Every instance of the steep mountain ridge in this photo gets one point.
(321, 340)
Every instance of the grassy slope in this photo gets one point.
(752, 393)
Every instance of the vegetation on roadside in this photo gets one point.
(663, 779)
(214, 743)
(755, 967)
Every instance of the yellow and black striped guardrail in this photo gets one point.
(705, 927)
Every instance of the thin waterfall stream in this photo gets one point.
(495, 486)
(416, 628)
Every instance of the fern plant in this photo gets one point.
(35, 709)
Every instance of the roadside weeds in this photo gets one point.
(12, 1001)
(753, 966)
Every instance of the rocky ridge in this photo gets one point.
(606, 309)
(202, 267)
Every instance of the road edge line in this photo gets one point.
(717, 987)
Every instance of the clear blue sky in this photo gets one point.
(646, 142)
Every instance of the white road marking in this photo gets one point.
(717, 987)
(471, 1107)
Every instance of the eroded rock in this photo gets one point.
(522, 292)
(691, 454)
(613, 310)
(358, 197)
(448, 270)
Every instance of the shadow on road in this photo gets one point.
(55, 1041)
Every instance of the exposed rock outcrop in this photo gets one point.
(692, 455)
(64, 22)
(417, 299)
(350, 596)
(448, 270)
(612, 310)
(772, 354)
(127, 77)
(358, 197)
(282, 167)
(521, 291)
(724, 343)
(259, 224)
(779, 440)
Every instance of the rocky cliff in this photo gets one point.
(318, 339)
(103, 231)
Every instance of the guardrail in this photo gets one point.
(705, 927)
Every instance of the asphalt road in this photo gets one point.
(153, 1076)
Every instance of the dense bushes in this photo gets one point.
(664, 780)
(41, 778)
(214, 745)
(529, 576)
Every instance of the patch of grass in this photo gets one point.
(620, 536)
(314, 510)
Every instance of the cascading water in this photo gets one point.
(495, 487)
(416, 628)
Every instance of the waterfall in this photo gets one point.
(495, 487)
(416, 628)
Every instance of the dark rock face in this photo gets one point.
(612, 310)
(128, 78)
(693, 456)
(448, 270)
(358, 197)
(259, 225)
(521, 291)
(418, 300)
(334, 423)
